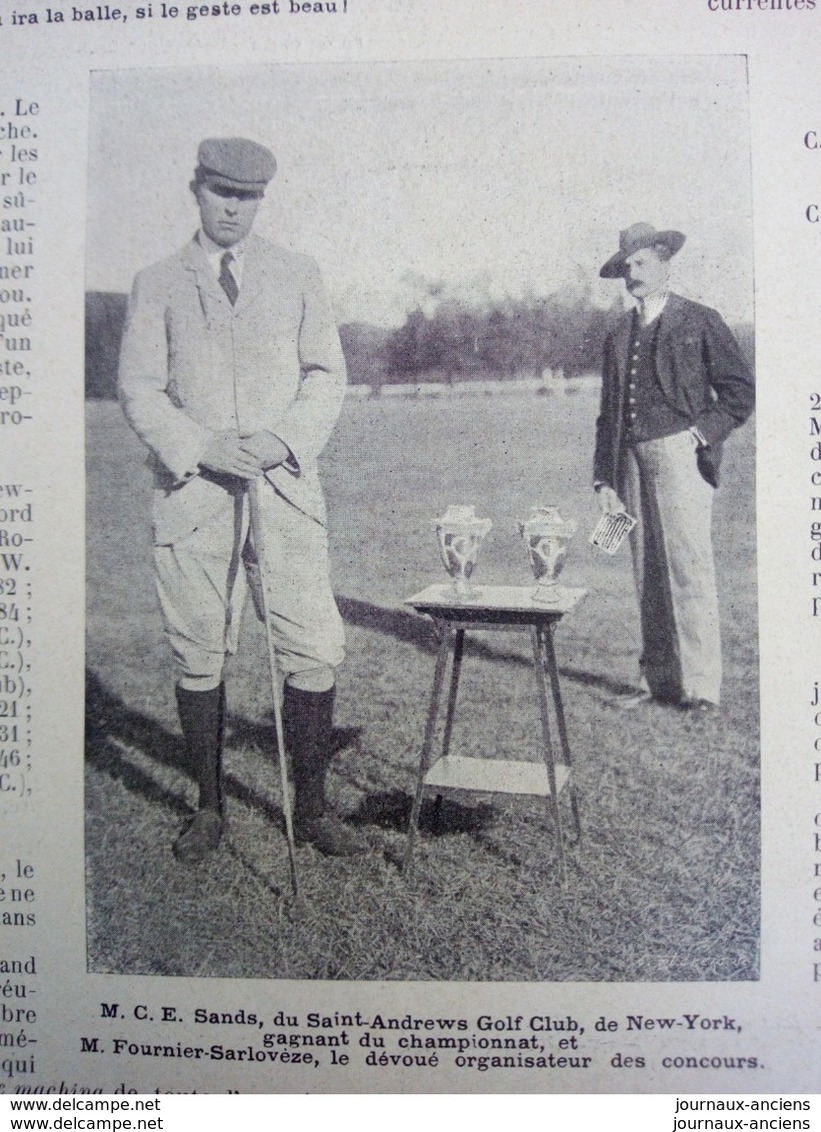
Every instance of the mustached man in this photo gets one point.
(674, 386)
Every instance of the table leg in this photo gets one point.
(553, 670)
(444, 631)
(539, 663)
(458, 649)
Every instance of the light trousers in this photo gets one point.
(203, 580)
(674, 569)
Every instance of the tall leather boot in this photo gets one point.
(202, 717)
(307, 723)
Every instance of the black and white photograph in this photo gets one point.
(422, 618)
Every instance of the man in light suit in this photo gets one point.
(230, 370)
(674, 385)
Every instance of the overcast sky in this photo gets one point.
(492, 178)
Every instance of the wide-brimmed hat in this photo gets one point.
(235, 163)
(634, 238)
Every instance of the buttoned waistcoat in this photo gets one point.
(701, 373)
(191, 364)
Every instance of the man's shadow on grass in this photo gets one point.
(114, 730)
(417, 630)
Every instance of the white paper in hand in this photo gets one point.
(611, 530)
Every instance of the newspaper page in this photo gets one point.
(549, 817)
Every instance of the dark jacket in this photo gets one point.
(701, 372)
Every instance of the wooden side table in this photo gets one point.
(496, 607)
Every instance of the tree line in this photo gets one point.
(447, 339)
(502, 339)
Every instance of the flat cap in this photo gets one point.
(236, 163)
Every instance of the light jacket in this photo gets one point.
(191, 364)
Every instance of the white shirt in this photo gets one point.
(652, 306)
(215, 252)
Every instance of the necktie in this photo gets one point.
(226, 279)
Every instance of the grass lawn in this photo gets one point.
(665, 883)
